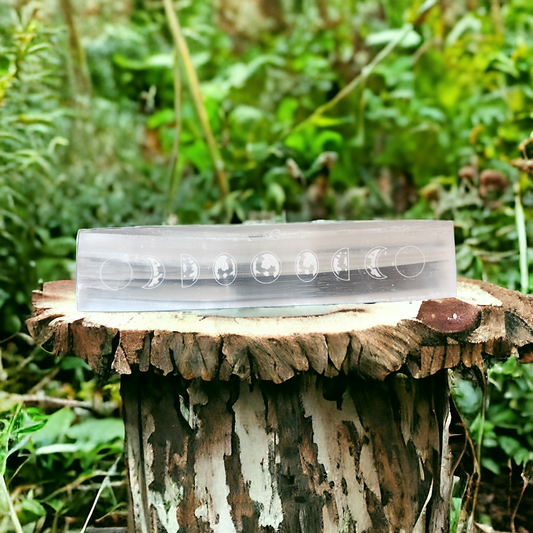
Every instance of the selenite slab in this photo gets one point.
(175, 268)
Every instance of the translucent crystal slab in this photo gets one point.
(175, 268)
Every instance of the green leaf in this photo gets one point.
(468, 23)
(411, 40)
(54, 449)
(55, 429)
(276, 194)
(159, 118)
(4, 295)
(509, 445)
(33, 507)
(246, 116)
(95, 432)
(490, 464)
(59, 246)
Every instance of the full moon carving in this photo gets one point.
(116, 273)
(410, 261)
(266, 267)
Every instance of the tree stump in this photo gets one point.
(333, 423)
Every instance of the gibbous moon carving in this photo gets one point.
(340, 264)
(371, 263)
(116, 273)
(225, 269)
(307, 266)
(157, 272)
(190, 270)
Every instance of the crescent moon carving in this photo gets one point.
(157, 270)
(190, 270)
(372, 263)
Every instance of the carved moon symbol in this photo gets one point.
(190, 270)
(158, 272)
(225, 269)
(410, 261)
(340, 264)
(307, 266)
(116, 273)
(371, 263)
(266, 267)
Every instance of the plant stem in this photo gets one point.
(515, 510)
(183, 51)
(105, 483)
(77, 54)
(12, 512)
(173, 183)
(363, 76)
(522, 242)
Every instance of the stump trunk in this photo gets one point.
(311, 455)
(294, 424)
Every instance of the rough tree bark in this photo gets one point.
(330, 424)
(310, 455)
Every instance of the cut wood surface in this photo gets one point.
(374, 340)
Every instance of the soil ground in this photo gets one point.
(499, 496)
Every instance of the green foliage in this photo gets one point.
(509, 424)
(431, 133)
(55, 456)
(54, 459)
(29, 115)
(505, 429)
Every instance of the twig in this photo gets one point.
(515, 510)
(173, 185)
(482, 382)
(522, 242)
(49, 377)
(74, 485)
(12, 513)
(525, 165)
(510, 488)
(183, 51)
(106, 530)
(105, 483)
(363, 75)
(92, 486)
(100, 409)
(7, 339)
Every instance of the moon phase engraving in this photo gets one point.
(266, 267)
(157, 270)
(225, 269)
(307, 266)
(410, 261)
(372, 262)
(190, 270)
(116, 273)
(340, 264)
